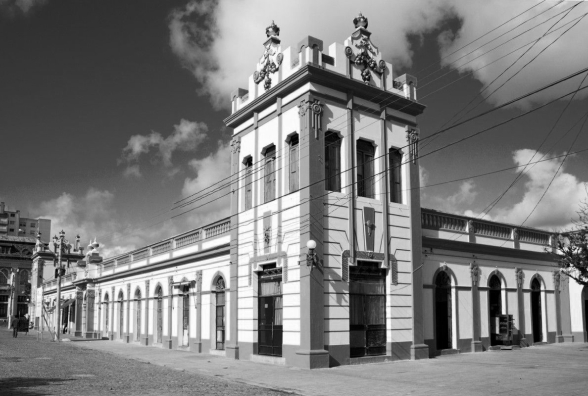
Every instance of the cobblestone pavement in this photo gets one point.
(31, 367)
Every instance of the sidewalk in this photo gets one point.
(540, 370)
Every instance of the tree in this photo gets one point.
(572, 248)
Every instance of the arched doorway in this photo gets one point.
(106, 315)
(220, 313)
(443, 311)
(159, 318)
(495, 309)
(185, 315)
(536, 310)
(121, 316)
(138, 315)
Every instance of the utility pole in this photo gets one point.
(61, 245)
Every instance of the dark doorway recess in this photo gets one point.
(495, 308)
(443, 311)
(220, 314)
(536, 311)
(270, 328)
(159, 320)
(367, 309)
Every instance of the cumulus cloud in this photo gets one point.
(560, 204)
(457, 202)
(186, 136)
(210, 170)
(14, 7)
(559, 60)
(220, 42)
(94, 215)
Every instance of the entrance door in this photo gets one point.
(220, 320)
(186, 318)
(270, 326)
(106, 317)
(495, 309)
(443, 311)
(121, 317)
(367, 309)
(159, 294)
(536, 311)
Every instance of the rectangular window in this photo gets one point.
(395, 162)
(332, 162)
(248, 183)
(11, 221)
(294, 166)
(12, 215)
(12, 230)
(270, 175)
(33, 225)
(21, 224)
(365, 169)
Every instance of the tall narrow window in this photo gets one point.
(248, 183)
(365, 169)
(220, 313)
(332, 162)
(395, 161)
(270, 175)
(294, 167)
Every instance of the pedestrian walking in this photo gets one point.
(27, 323)
(15, 326)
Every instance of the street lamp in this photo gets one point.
(61, 246)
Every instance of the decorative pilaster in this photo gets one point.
(79, 312)
(232, 348)
(556, 289)
(476, 320)
(168, 342)
(111, 313)
(519, 278)
(198, 344)
(412, 137)
(145, 338)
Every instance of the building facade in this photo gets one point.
(327, 258)
(15, 275)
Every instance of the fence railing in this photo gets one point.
(434, 220)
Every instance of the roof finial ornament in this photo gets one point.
(360, 21)
(272, 30)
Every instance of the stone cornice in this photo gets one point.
(476, 248)
(327, 78)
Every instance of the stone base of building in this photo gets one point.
(311, 359)
(477, 346)
(232, 351)
(419, 351)
(196, 346)
(144, 341)
(166, 344)
(278, 361)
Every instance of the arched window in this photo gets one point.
(536, 310)
(269, 175)
(23, 277)
(138, 315)
(395, 162)
(443, 311)
(332, 162)
(365, 169)
(293, 164)
(3, 277)
(248, 163)
(220, 313)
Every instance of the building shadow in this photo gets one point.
(25, 385)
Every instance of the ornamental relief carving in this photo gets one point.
(271, 59)
(362, 52)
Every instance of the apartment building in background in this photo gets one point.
(12, 223)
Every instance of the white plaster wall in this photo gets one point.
(576, 307)
(484, 315)
(465, 311)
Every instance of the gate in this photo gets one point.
(270, 326)
(367, 309)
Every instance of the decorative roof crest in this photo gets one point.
(360, 21)
(272, 30)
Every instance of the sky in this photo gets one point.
(111, 111)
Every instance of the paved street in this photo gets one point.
(30, 367)
(104, 367)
